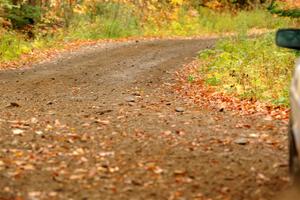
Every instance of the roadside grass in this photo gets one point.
(12, 45)
(205, 21)
(243, 20)
(249, 68)
(109, 20)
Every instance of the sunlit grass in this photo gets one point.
(207, 21)
(111, 20)
(12, 45)
(250, 68)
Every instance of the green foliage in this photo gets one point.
(274, 8)
(250, 68)
(213, 81)
(6, 4)
(23, 15)
(207, 21)
(12, 46)
(110, 20)
(191, 78)
(244, 20)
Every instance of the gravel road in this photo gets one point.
(104, 123)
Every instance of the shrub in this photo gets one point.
(110, 20)
(251, 68)
(12, 45)
(23, 15)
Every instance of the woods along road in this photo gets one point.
(104, 122)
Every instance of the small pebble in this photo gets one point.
(179, 109)
(130, 99)
(241, 141)
(17, 131)
(136, 94)
(131, 103)
(13, 104)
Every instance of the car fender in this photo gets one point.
(295, 105)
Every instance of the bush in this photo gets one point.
(23, 15)
(250, 68)
(12, 46)
(228, 22)
(205, 21)
(109, 20)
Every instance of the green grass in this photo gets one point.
(250, 68)
(208, 21)
(226, 22)
(110, 20)
(12, 46)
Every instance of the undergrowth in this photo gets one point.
(250, 68)
(110, 20)
(12, 45)
(207, 21)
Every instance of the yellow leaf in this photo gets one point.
(177, 2)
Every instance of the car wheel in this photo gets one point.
(294, 164)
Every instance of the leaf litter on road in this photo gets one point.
(145, 151)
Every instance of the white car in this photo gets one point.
(290, 38)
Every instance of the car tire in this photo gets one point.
(294, 164)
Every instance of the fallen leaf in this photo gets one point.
(104, 122)
(17, 131)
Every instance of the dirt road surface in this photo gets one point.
(104, 123)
